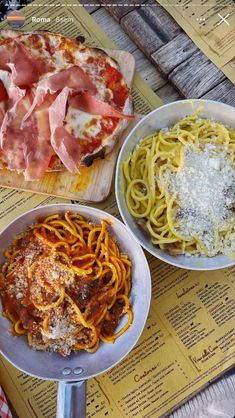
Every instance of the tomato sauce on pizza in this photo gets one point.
(62, 104)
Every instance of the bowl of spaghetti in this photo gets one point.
(73, 279)
(175, 184)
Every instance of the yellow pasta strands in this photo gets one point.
(70, 284)
(148, 196)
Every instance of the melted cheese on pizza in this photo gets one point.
(45, 55)
(81, 124)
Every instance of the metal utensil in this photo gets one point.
(72, 372)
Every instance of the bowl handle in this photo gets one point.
(71, 400)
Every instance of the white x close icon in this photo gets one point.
(223, 19)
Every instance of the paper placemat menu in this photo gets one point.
(211, 26)
(188, 338)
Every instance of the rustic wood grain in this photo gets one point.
(114, 30)
(160, 20)
(93, 184)
(122, 9)
(150, 26)
(223, 92)
(168, 93)
(148, 71)
(196, 76)
(145, 37)
(175, 52)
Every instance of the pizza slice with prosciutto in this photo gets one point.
(62, 104)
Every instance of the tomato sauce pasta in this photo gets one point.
(66, 284)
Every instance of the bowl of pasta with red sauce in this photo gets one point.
(75, 291)
(175, 184)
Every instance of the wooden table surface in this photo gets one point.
(166, 58)
(169, 62)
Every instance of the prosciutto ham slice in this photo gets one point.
(74, 78)
(12, 137)
(90, 104)
(39, 152)
(15, 94)
(27, 149)
(30, 146)
(16, 58)
(66, 146)
(50, 114)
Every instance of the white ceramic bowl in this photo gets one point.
(162, 117)
(51, 365)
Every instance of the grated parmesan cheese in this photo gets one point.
(205, 188)
(61, 328)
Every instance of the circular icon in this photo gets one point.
(15, 19)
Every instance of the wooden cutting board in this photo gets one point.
(92, 184)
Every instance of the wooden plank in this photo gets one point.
(223, 92)
(160, 20)
(148, 72)
(168, 93)
(141, 32)
(196, 76)
(114, 30)
(174, 53)
(150, 26)
(121, 8)
(93, 183)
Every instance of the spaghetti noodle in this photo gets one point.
(65, 284)
(181, 187)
